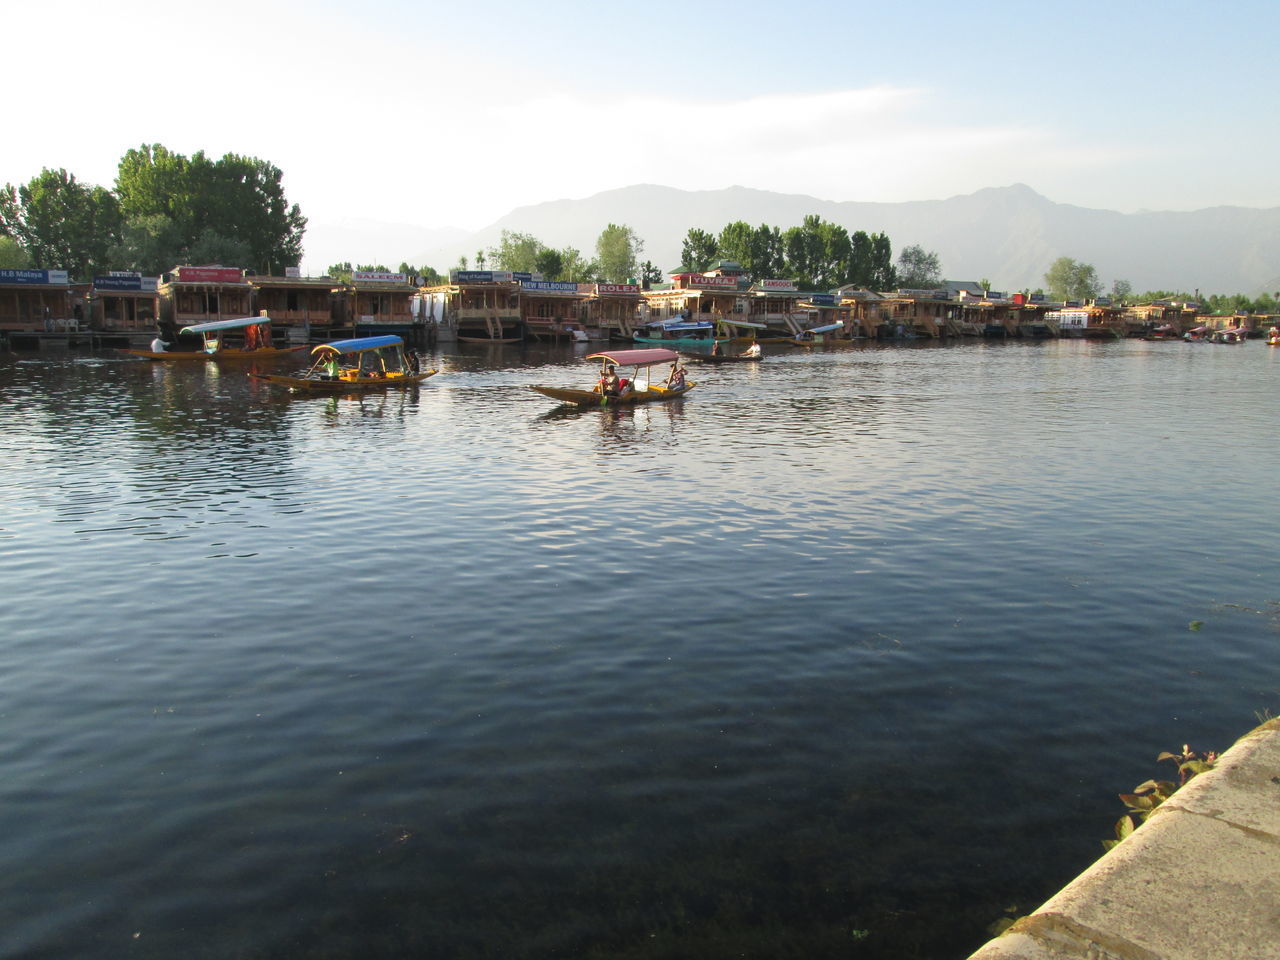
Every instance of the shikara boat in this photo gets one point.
(365, 363)
(638, 388)
(721, 357)
(256, 344)
(677, 331)
(817, 335)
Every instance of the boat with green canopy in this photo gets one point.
(614, 390)
(253, 342)
(363, 363)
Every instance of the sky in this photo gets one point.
(450, 115)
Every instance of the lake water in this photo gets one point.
(845, 654)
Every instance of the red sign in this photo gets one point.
(210, 275)
(617, 288)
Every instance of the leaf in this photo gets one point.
(1167, 756)
(1138, 804)
(1144, 787)
(1195, 625)
(1124, 827)
(1195, 766)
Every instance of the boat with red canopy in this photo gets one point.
(614, 390)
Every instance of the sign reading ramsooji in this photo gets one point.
(34, 276)
(377, 276)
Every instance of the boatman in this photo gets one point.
(609, 384)
(753, 350)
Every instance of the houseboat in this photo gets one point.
(377, 303)
(713, 297)
(478, 306)
(614, 310)
(35, 301)
(552, 309)
(124, 303)
(299, 306)
(203, 294)
(776, 306)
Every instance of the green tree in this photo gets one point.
(149, 244)
(650, 273)
(1068, 279)
(617, 253)
(236, 198)
(12, 255)
(1121, 290)
(698, 251)
(340, 271)
(213, 247)
(62, 223)
(549, 263)
(574, 267)
(918, 268)
(517, 252)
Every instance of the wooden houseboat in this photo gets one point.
(478, 306)
(36, 301)
(718, 296)
(124, 302)
(203, 294)
(776, 305)
(614, 309)
(1032, 314)
(552, 309)
(993, 314)
(297, 305)
(1169, 316)
(376, 303)
(823, 310)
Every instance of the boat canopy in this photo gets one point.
(636, 358)
(744, 323)
(827, 328)
(225, 325)
(358, 345)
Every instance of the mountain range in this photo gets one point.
(1008, 235)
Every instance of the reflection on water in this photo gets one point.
(838, 653)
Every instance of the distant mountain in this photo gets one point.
(1009, 235)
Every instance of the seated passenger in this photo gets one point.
(676, 381)
(610, 385)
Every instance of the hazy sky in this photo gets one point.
(450, 114)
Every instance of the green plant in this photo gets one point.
(1146, 797)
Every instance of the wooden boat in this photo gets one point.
(677, 331)
(462, 339)
(720, 358)
(359, 364)
(257, 342)
(634, 392)
(816, 336)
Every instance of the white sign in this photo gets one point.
(370, 276)
(779, 286)
(294, 272)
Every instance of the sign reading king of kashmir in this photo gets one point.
(374, 276)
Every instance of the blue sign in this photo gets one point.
(823, 299)
(123, 282)
(34, 276)
(548, 286)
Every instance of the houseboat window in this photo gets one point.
(291, 300)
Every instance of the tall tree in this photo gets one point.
(63, 224)
(149, 244)
(517, 252)
(918, 267)
(12, 255)
(574, 267)
(698, 251)
(618, 253)
(549, 263)
(1069, 279)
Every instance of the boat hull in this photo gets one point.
(717, 358)
(590, 398)
(217, 354)
(307, 385)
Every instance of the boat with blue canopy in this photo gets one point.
(816, 335)
(614, 390)
(362, 363)
(253, 341)
(677, 331)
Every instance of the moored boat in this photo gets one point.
(817, 335)
(364, 363)
(256, 343)
(677, 331)
(611, 390)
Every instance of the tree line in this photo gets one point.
(164, 209)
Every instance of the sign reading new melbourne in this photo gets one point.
(34, 276)
(549, 286)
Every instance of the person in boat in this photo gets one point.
(753, 350)
(610, 385)
(330, 369)
(159, 344)
(676, 381)
(411, 362)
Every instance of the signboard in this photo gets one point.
(923, 294)
(126, 281)
(823, 299)
(1071, 303)
(617, 289)
(712, 283)
(481, 276)
(374, 276)
(996, 295)
(778, 286)
(549, 286)
(1102, 301)
(209, 275)
(1036, 298)
(293, 272)
(34, 276)
(526, 276)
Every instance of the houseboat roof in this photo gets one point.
(323, 283)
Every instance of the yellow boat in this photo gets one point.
(631, 391)
(358, 364)
(257, 342)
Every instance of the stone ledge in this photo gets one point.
(1199, 880)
